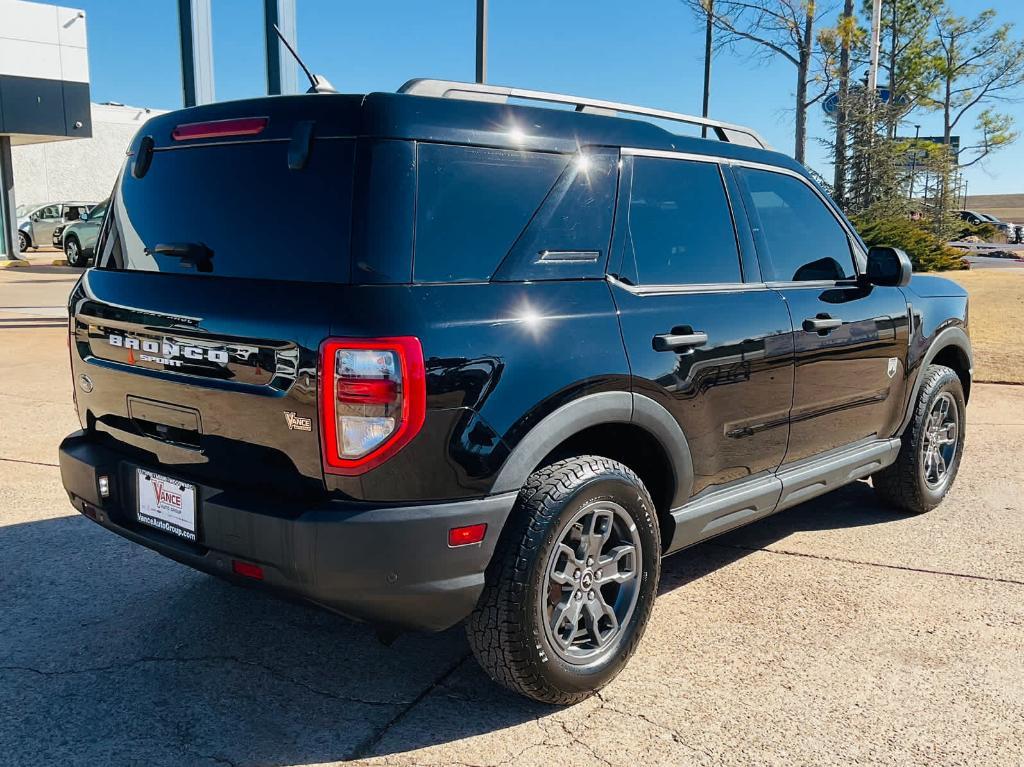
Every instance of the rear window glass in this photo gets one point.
(471, 205)
(236, 210)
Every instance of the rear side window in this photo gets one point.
(236, 210)
(680, 224)
(471, 205)
(803, 239)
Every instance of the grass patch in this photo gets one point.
(996, 304)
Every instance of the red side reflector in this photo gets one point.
(463, 536)
(247, 569)
(244, 126)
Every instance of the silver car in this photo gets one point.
(37, 222)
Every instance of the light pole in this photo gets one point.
(708, 35)
(481, 40)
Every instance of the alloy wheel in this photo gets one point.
(593, 581)
(939, 443)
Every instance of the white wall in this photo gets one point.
(83, 169)
(44, 41)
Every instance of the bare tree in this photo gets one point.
(785, 28)
(979, 65)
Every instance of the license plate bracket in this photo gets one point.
(167, 504)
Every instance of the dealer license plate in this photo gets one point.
(167, 504)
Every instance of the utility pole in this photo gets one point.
(481, 41)
(709, 10)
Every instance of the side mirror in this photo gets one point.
(888, 267)
(83, 216)
(35, 216)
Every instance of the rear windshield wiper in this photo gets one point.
(190, 252)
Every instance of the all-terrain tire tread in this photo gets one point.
(502, 643)
(898, 485)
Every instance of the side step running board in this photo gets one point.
(727, 509)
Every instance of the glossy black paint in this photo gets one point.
(503, 353)
(843, 390)
(732, 395)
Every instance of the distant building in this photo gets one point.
(78, 170)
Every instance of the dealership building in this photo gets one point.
(44, 90)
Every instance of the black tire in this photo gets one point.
(73, 252)
(507, 629)
(23, 241)
(906, 483)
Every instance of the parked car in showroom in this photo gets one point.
(37, 222)
(78, 239)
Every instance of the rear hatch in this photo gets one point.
(227, 238)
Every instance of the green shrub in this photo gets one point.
(986, 232)
(927, 252)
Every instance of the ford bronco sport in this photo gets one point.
(524, 353)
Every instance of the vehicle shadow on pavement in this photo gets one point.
(112, 654)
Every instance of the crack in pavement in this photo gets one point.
(34, 463)
(273, 672)
(883, 565)
(365, 749)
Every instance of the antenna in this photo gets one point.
(317, 83)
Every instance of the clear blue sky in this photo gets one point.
(642, 51)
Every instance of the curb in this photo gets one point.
(12, 263)
(59, 262)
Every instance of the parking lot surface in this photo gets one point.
(837, 632)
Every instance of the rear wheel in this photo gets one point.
(73, 252)
(933, 444)
(572, 583)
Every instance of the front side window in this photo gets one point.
(680, 225)
(803, 239)
(49, 213)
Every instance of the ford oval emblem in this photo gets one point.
(85, 382)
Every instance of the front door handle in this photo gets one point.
(672, 342)
(823, 323)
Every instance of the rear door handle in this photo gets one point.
(823, 323)
(671, 342)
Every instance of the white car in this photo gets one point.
(37, 222)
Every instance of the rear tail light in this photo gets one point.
(242, 126)
(373, 399)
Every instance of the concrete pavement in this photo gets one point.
(833, 633)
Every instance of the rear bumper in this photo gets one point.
(387, 565)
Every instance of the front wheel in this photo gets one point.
(73, 252)
(23, 242)
(572, 582)
(933, 444)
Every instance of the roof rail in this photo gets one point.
(735, 134)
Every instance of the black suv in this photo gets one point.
(438, 354)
